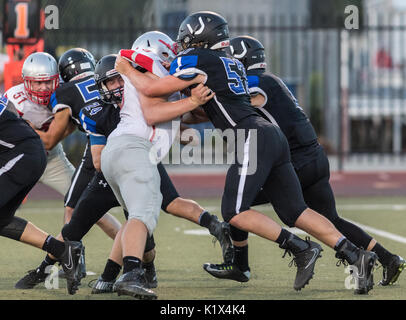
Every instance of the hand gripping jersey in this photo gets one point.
(38, 115)
(282, 108)
(225, 76)
(74, 95)
(132, 119)
(12, 129)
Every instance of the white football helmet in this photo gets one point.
(39, 67)
(157, 42)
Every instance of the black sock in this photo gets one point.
(148, 265)
(48, 261)
(53, 246)
(111, 271)
(241, 258)
(384, 256)
(131, 263)
(287, 240)
(205, 219)
(347, 250)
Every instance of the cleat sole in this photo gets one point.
(139, 296)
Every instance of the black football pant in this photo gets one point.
(20, 170)
(314, 179)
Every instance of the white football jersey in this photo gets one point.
(132, 121)
(40, 116)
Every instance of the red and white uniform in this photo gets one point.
(40, 116)
(132, 119)
(59, 170)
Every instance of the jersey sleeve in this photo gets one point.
(97, 140)
(58, 102)
(186, 66)
(3, 104)
(255, 89)
(89, 115)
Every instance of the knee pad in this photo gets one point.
(13, 228)
(237, 234)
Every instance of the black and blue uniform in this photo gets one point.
(74, 95)
(262, 157)
(22, 162)
(308, 157)
(99, 120)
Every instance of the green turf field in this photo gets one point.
(181, 253)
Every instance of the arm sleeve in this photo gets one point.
(185, 67)
(97, 140)
(89, 124)
(55, 104)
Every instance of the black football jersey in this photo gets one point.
(226, 76)
(74, 95)
(99, 120)
(282, 108)
(13, 129)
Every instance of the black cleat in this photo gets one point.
(227, 271)
(100, 286)
(305, 262)
(150, 275)
(134, 284)
(70, 262)
(362, 271)
(32, 278)
(392, 271)
(221, 232)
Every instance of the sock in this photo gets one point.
(287, 240)
(205, 219)
(347, 250)
(148, 265)
(384, 256)
(131, 263)
(53, 246)
(241, 258)
(48, 261)
(111, 271)
(340, 243)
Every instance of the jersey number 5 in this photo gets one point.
(87, 94)
(237, 78)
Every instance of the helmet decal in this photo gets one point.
(243, 53)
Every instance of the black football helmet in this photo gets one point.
(74, 62)
(105, 70)
(249, 51)
(204, 29)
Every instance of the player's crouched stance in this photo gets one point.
(22, 162)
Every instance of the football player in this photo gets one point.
(30, 99)
(22, 163)
(143, 137)
(76, 68)
(100, 119)
(203, 36)
(275, 102)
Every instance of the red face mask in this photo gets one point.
(41, 97)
